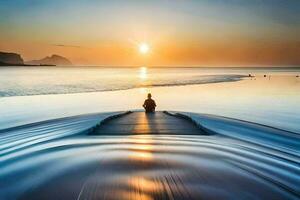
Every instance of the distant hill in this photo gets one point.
(11, 59)
(51, 60)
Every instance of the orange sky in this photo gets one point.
(242, 52)
(210, 53)
(180, 33)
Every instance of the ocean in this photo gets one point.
(29, 94)
(47, 153)
(26, 81)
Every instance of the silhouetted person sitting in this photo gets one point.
(149, 104)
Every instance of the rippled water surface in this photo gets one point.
(45, 156)
(57, 160)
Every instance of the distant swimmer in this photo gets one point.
(149, 104)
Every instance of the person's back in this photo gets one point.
(149, 104)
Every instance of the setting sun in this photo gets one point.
(144, 48)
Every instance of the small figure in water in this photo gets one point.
(149, 104)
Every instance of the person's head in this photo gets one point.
(149, 95)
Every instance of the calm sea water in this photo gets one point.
(30, 94)
(24, 81)
(243, 160)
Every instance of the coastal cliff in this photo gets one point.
(10, 59)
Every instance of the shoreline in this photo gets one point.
(262, 67)
(226, 78)
(23, 65)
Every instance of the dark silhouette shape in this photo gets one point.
(251, 76)
(265, 75)
(10, 59)
(149, 104)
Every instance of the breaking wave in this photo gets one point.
(82, 86)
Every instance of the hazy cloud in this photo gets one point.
(69, 46)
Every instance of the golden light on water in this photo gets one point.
(142, 148)
(143, 73)
(144, 90)
(145, 185)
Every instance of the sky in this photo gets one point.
(178, 32)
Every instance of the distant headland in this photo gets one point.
(14, 59)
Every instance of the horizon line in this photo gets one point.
(187, 66)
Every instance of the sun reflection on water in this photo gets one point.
(141, 152)
(142, 148)
(143, 90)
(145, 184)
(143, 73)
